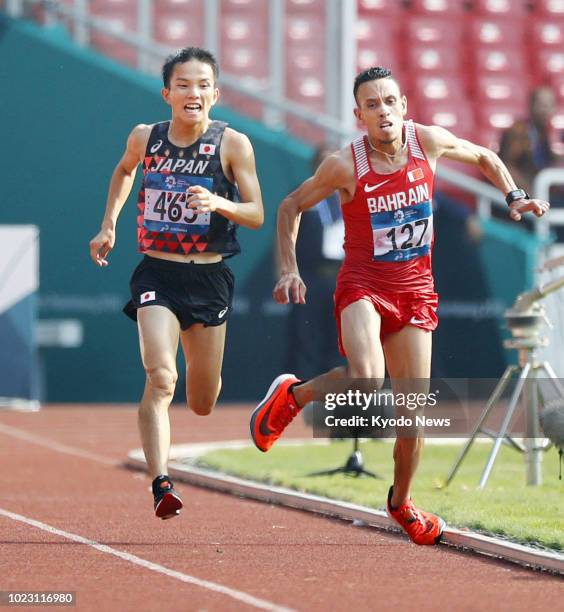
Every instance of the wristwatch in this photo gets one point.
(516, 194)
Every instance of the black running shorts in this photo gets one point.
(195, 293)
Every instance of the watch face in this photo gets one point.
(516, 194)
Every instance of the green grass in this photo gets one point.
(507, 506)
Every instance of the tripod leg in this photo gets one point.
(505, 424)
(494, 398)
(553, 378)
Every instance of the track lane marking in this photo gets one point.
(21, 434)
(245, 598)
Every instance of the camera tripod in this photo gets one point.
(353, 467)
(524, 321)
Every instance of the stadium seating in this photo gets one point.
(424, 29)
(508, 31)
(179, 23)
(457, 117)
(121, 16)
(432, 59)
(549, 8)
(379, 7)
(465, 64)
(437, 8)
(499, 8)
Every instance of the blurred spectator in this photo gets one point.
(525, 146)
(312, 335)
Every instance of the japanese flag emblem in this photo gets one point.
(148, 296)
(207, 149)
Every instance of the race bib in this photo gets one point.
(402, 234)
(166, 208)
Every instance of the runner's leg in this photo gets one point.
(158, 337)
(203, 350)
(408, 358)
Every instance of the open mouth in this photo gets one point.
(386, 124)
(191, 108)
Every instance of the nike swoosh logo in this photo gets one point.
(263, 426)
(369, 188)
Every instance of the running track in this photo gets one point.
(72, 519)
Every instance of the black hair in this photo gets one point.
(371, 74)
(185, 55)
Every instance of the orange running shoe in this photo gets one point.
(271, 417)
(422, 527)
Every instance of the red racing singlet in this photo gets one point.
(389, 222)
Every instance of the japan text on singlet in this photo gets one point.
(164, 221)
(389, 222)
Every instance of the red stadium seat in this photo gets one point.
(436, 59)
(438, 8)
(305, 6)
(241, 7)
(549, 8)
(121, 17)
(549, 63)
(176, 31)
(369, 56)
(308, 90)
(244, 61)
(499, 8)
(424, 29)
(509, 32)
(376, 31)
(548, 33)
(496, 116)
(500, 89)
(305, 60)
(379, 7)
(437, 88)
(500, 60)
(305, 30)
(179, 8)
(457, 117)
(107, 7)
(241, 103)
(244, 29)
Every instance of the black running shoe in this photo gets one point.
(167, 501)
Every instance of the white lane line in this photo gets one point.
(261, 604)
(20, 434)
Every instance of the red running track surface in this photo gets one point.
(62, 467)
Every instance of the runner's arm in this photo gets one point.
(250, 211)
(118, 192)
(329, 177)
(439, 142)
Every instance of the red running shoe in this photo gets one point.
(271, 417)
(423, 528)
(167, 501)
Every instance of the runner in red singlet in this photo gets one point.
(385, 304)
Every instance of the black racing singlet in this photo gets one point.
(164, 223)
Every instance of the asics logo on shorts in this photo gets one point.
(222, 313)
